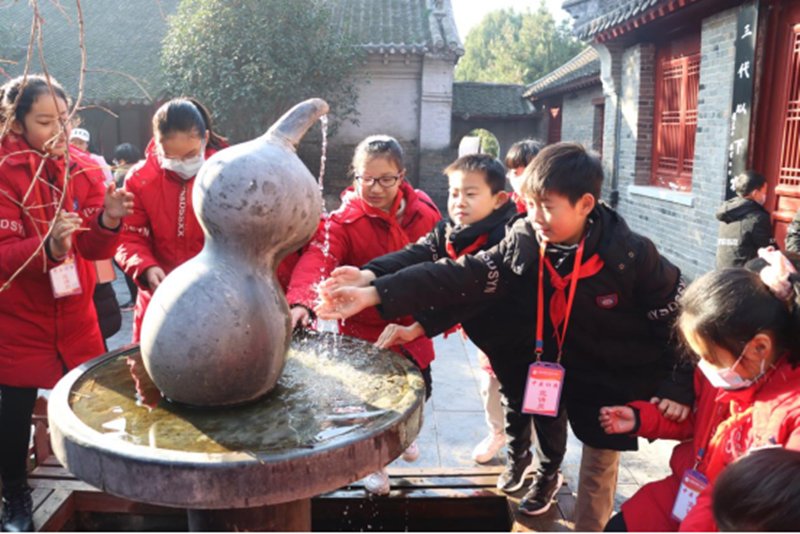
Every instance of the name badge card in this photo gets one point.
(543, 390)
(692, 484)
(64, 279)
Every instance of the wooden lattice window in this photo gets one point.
(789, 173)
(677, 85)
(554, 124)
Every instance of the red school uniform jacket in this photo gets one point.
(163, 230)
(359, 233)
(727, 424)
(39, 334)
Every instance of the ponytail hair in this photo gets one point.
(187, 114)
(18, 95)
(728, 307)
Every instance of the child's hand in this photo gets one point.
(300, 316)
(66, 224)
(348, 277)
(154, 276)
(776, 275)
(346, 301)
(395, 334)
(672, 410)
(617, 419)
(118, 203)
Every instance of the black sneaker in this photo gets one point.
(515, 473)
(539, 498)
(17, 509)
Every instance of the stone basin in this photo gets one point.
(342, 409)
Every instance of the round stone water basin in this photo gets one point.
(342, 409)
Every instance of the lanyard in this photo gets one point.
(573, 284)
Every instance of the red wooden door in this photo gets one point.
(554, 124)
(779, 116)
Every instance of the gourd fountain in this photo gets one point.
(233, 419)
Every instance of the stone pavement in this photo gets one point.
(454, 421)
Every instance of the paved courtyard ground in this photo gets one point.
(454, 420)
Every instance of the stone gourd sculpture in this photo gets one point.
(217, 330)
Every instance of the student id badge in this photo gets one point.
(692, 484)
(64, 279)
(543, 389)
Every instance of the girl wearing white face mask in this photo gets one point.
(163, 232)
(747, 387)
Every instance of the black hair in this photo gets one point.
(187, 115)
(759, 492)
(491, 168)
(522, 153)
(728, 307)
(566, 169)
(380, 146)
(127, 152)
(747, 182)
(18, 95)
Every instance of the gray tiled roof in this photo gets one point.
(472, 99)
(617, 13)
(400, 26)
(120, 36)
(125, 36)
(583, 67)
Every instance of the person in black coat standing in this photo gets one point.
(745, 224)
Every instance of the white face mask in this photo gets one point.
(727, 378)
(185, 168)
(516, 181)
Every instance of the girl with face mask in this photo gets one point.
(163, 231)
(747, 387)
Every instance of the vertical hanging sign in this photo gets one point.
(741, 110)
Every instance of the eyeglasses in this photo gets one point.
(384, 181)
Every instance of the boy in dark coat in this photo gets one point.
(745, 226)
(611, 330)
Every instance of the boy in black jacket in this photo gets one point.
(479, 210)
(745, 225)
(611, 330)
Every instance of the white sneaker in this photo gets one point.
(411, 454)
(487, 449)
(377, 483)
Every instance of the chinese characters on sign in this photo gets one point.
(739, 134)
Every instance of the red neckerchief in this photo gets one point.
(469, 249)
(560, 306)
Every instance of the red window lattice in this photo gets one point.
(677, 86)
(789, 174)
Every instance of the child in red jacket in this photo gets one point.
(747, 391)
(163, 231)
(47, 318)
(380, 213)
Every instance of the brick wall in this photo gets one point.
(577, 119)
(682, 225)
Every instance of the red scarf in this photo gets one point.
(558, 302)
(469, 249)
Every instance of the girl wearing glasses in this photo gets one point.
(380, 213)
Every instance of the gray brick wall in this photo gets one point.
(685, 234)
(577, 119)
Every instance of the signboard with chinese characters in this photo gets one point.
(739, 134)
